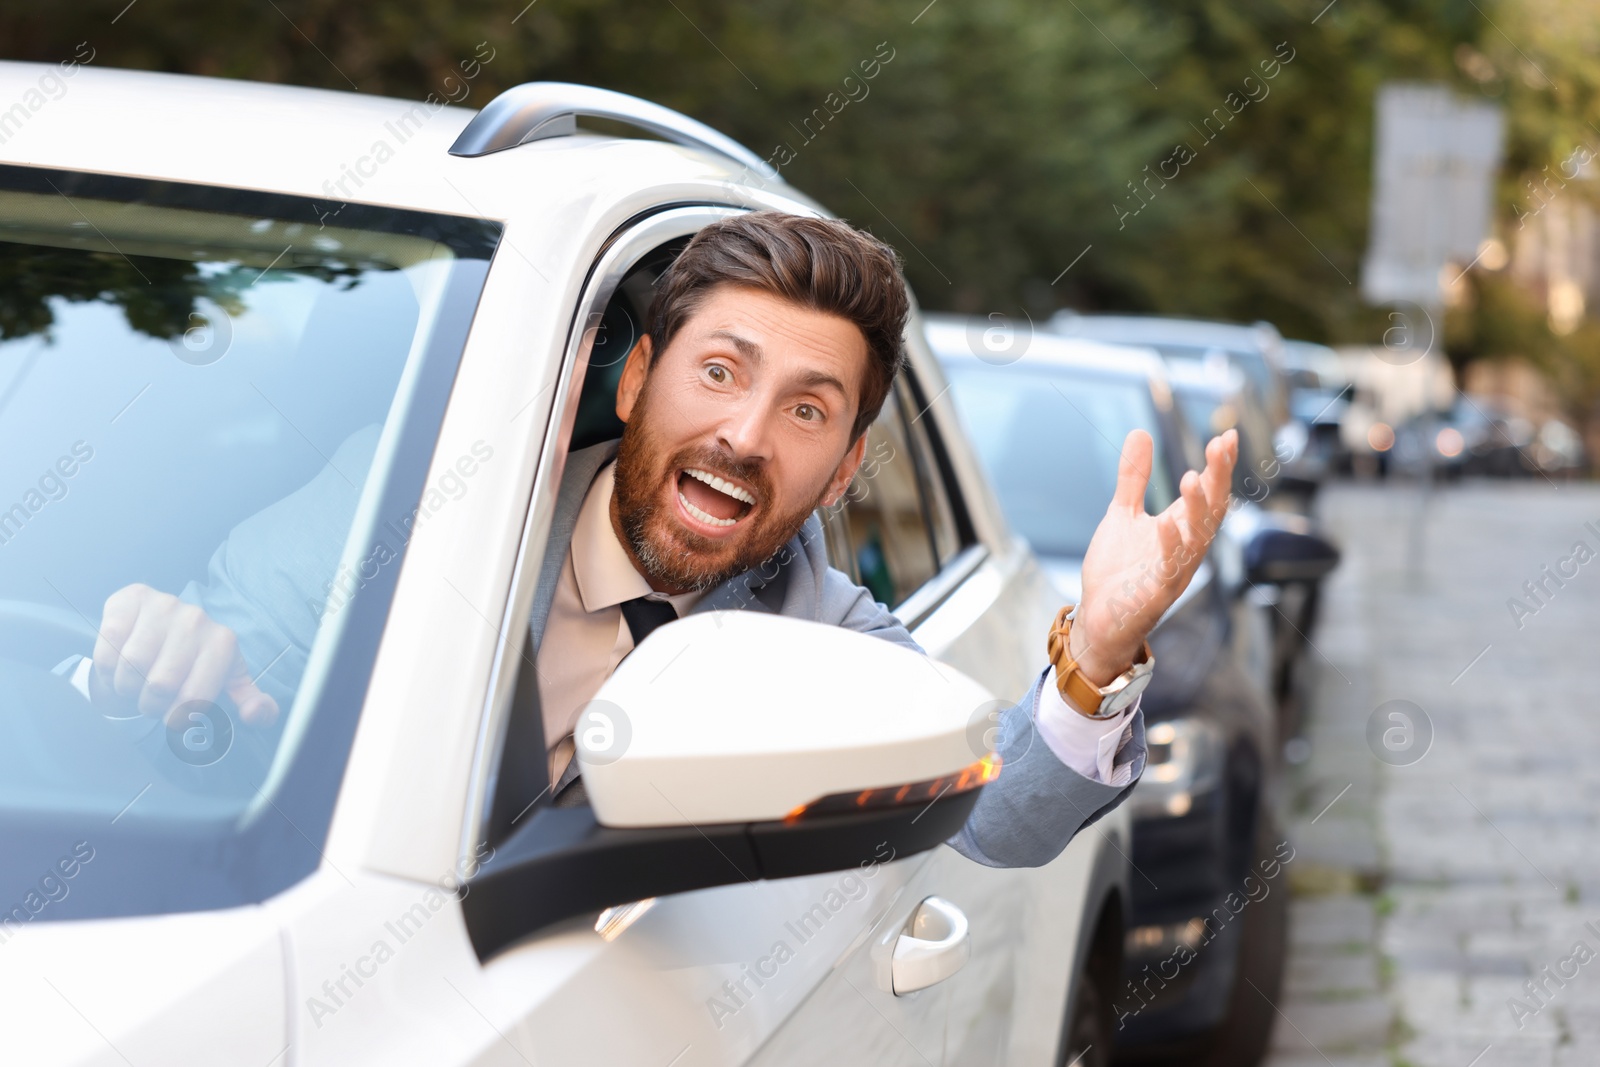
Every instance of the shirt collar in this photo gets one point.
(604, 571)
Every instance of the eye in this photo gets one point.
(717, 373)
(807, 413)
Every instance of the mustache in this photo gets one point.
(751, 473)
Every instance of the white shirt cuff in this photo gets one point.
(1088, 746)
(75, 669)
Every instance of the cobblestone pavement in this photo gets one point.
(1441, 907)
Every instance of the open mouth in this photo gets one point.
(712, 501)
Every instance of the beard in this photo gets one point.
(669, 553)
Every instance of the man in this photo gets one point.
(773, 342)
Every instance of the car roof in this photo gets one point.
(1199, 376)
(300, 141)
(1157, 330)
(1309, 355)
(1307, 351)
(947, 336)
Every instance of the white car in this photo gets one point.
(218, 294)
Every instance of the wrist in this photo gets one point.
(1097, 660)
(1076, 680)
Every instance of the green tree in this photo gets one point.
(1000, 142)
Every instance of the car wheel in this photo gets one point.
(1090, 1022)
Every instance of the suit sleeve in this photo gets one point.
(1027, 816)
(1036, 807)
(271, 579)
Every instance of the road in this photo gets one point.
(1444, 893)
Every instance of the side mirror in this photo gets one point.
(733, 746)
(1278, 554)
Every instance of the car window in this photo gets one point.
(608, 320)
(197, 387)
(1211, 413)
(1253, 364)
(1191, 437)
(887, 531)
(936, 495)
(1051, 440)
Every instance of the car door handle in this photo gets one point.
(933, 946)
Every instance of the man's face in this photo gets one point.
(735, 434)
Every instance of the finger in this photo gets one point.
(1191, 488)
(1169, 531)
(255, 707)
(1221, 455)
(139, 651)
(181, 642)
(208, 672)
(1133, 470)
(121, 611)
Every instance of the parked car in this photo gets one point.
(1479, 436)
(1048, 422)
(1257, 349)
(1320, 393)
(429, 305)
(1214, 400)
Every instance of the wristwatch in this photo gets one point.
(1082, 695)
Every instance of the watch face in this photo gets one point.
(1124, 697)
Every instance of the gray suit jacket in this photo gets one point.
(1022, 819)
(273, 580)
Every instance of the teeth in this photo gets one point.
(721, 486)
(702, 516)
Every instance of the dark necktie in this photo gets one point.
(644, 615)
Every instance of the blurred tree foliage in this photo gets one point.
(1540, 60)
(159, 295)
(1504, 320)
(1000, 141)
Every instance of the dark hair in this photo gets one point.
(823, 264)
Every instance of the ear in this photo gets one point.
(847, 470)
(634, 372)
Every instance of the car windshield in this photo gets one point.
(178, 364)
(1210, 412)
(1051, 441)
(1253, 364)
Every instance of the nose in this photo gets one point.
(745, 430)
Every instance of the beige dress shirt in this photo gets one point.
(585, 636)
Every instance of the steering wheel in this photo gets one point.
(34, 639)
(41, 635)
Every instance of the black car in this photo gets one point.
(1208, 885)
(1320, 393)
(1211, 401)
(1476, 436)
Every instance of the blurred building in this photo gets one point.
(1555, 247)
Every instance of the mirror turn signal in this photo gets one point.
(976, 774)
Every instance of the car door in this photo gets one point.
(725, 976)
(909, 531)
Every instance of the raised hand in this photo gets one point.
(158, 653)
(1137, 564)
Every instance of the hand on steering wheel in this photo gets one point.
(158, 653)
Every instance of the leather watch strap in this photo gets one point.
(1082, 695)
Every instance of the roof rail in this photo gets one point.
(535, 111)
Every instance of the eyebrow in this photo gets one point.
(752, 351)
(747, 348)
(816, 378)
